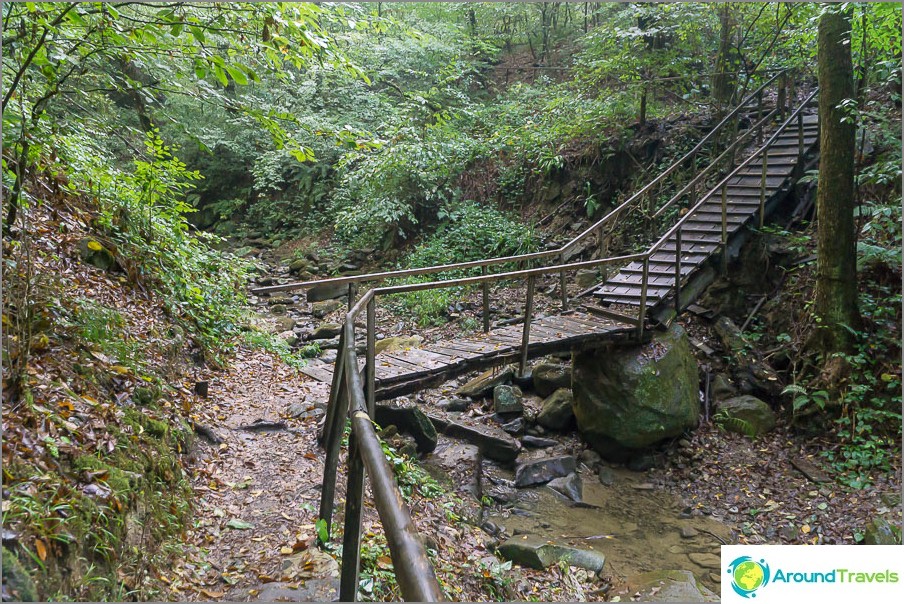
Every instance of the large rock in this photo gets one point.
(670, 586)
(755, 415)
(556, 412)
(325, 307)
(540, 471)
(281, 324)
(536, 553)
(328, 291)
(398, 343)
(634, 397)
(508, 399)
(325, 331)
(585, 277)
(412, 421)
(484, 383)
(549, 377)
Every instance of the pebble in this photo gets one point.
(688, 532)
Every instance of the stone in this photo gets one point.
(688, 532)
(281, 299)
(299, 266)
(484, 383)
(669, 586)
(880, 532)
(508, 399)
(278, 309)
(636, 396)
(585, 277)
(709, 561)
(753, 375)
(329, 355)
(788, 532)
(325, 331)
(398, 343)
(324, 307)
(589, 457)
(534, 552)
(556, 412)
(755, 415)
(538, 442)
(721, 388)
(549, 377)
(305, 410)
(281, 324)
(516, 426)
(541, 471)
(412, 421)
(570, 486)
(606, 476)
(93, 252)
(327, 291)
(288, 337)
(454, 404)
(493, 444)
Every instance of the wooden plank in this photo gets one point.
(608, 314)
(586, 325)
(442, 348)
(318, 372)
(414, 364)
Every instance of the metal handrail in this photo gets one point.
(414, 573)
(561, 251)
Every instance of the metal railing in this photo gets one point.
(353, 392)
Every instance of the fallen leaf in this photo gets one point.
(41, 549)
(212, 594)
(286, 550)
(805, 529)
(240, 525)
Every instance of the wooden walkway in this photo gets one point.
(702, 234)
(407, 371)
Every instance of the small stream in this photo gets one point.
(638, 526)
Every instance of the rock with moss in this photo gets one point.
(670, 586)
(549, 377)
(93, 252)
(508, 400)
(556, 412)
(325, 331)
(633, 397)
(746, 415)
(398, 343)
(880, 532)
(537, 553)
(324, 307)
(412, 421)
(145, 396)
(17, 583)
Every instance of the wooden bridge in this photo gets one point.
(714, 207)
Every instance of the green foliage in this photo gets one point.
(281, 348)
(468, 232)
(724, 419)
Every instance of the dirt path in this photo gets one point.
(257, 491)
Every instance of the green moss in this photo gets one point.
(16, 579)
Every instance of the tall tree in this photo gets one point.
(835, 303)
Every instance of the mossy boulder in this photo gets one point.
(636, 396)
(880, 532)
(93, 252)
(752, 416)
(556, 412)
(549, 377)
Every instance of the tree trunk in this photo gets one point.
(835, 304)
(723, 80)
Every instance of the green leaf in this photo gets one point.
(239, 525)
(240, 78)
(220, 74)
(322, 534)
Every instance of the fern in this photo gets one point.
(729, 422)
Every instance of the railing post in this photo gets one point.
(763, 187)
(678, 271)
(352, 293)
(601, 241)
(724, 229)
(486, 301)
(336, 414)
(351, 540)
(642, 313)
(782, 94)
(800, 139)
(370, 368)
(335, 388)
(528, 315)
(562, 286)
(759, 117)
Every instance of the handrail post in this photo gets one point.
(486, 301)
(601, 241)
(562, 286)
(678, 271)
(528, 315)
(336, 414)
(335, 386)
(782, 95)
(352, 293)
(641, 315)
(759, 117)
(800, 138)
(351, 539)
(370, 368)
(763, 188)
(724, 229)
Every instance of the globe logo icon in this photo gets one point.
(748, 575)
